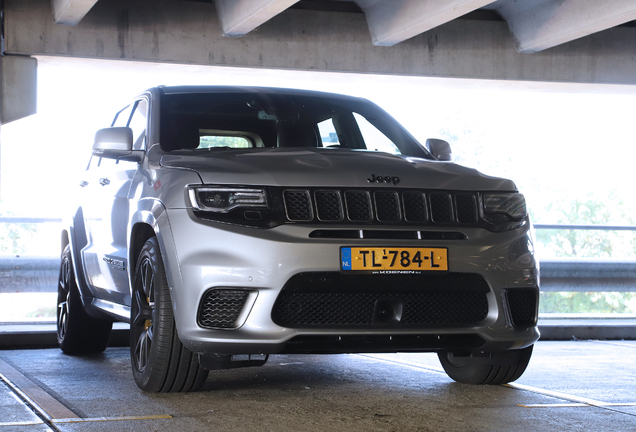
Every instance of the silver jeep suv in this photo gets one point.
(226, 224)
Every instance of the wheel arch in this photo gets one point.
(139, 235)
(150, 220)
(74, 235)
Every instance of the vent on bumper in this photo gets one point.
(522, 304)
(332, 300)
(221, 308)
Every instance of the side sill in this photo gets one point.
(114, 310)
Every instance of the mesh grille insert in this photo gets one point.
(415, 207)
(329, 206)
(358, 206)
(442, 208)
(466, 208)
(333, 300)
(387, 206)
(523, 306)
(298, 205)
(221, 308)
(353, 310)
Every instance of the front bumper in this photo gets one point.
(204, 256)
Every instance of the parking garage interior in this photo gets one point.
(524, 58)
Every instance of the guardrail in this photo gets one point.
(40, 274)
(586, 227)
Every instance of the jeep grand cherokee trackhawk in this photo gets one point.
(229, 223)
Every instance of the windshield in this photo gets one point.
(209, 121)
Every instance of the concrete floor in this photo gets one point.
(569, 386)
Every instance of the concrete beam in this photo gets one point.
(541, 24)
(71, 12)
(392, 22)
(239, 17)
(189, 32)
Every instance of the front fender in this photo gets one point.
(151, 219)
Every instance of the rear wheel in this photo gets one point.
(77, 332)
(486, 368)
(160, 362)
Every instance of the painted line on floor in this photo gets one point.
(555, 394)
(578, 401)
(23, 423)
(626, 345)
(571, 398)
(572, 405)
(86, 420)
(109, 419)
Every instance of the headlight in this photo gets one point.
(224, 200)
(512, 205)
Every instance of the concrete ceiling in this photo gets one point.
(536, 25)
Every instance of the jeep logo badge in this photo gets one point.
(383, 179)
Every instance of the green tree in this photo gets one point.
(589, 243)
(11, 235)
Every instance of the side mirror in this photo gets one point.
(440, 149)
(116, 143)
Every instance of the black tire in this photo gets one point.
(486, 368)
(160, 362)
(77, 332)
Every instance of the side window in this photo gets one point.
(373, 138)
(121, 118)
(328, 134)
(138, 124)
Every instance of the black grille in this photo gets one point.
(329, 206)
(298, 205)
(221, 308)
(442, 208)
(466, 208)
(351, 310)
(523, 306)
(387, 206)
(382, 206)
(331, 300)
(358, 206)
(415, 207)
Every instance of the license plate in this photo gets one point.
(397, 259)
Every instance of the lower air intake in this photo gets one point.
(523, 306)
(221, 308)
(331, 300)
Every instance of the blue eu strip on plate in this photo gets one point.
(345, 258)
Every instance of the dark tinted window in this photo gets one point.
(282, 120)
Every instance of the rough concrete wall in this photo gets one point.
(189, 32)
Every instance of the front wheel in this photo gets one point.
(160, 362)
(486, 368)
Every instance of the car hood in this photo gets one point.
(298, 167)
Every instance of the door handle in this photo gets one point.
(104, 181)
